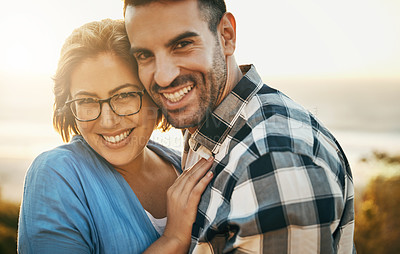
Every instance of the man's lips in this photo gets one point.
(178, 95)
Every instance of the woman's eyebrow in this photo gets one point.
(113, 91)
(80, 93)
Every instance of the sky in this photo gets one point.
(291, 38)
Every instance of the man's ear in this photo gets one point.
(227, 31)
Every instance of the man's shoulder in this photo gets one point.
(274, 122)
(269, 102)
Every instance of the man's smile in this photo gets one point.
(179, 94)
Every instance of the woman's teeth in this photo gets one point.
(178, 95)
(117, 138)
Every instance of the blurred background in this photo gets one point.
(339, 59)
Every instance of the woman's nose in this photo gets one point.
(108, 119)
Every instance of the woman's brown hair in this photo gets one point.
(85, 42)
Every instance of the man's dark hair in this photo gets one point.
(211, 10)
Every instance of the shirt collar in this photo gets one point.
(212, 133)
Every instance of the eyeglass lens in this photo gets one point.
(122, 104)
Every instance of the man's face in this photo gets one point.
(181, 62)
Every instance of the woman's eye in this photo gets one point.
(126, 95)
(86, 101)
(123, 95)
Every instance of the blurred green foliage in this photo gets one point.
(8, 227)
(377, 226)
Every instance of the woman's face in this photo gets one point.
(119, 139)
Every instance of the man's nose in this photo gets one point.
(166, 71)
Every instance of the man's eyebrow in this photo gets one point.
(134, 50)
(180, 37)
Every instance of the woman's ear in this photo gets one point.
(227, 31)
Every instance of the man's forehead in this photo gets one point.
(142, 21)
(183, 6)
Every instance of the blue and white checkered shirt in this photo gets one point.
(282, 183)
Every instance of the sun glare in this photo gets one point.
(33, 33)
(285, 37)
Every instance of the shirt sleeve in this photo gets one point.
(53, 216)
(286, 203)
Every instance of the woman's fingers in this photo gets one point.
(183, 199)
(188, 180)
(197, 191)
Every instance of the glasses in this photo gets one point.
(123, 104)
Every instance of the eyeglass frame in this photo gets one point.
(108, 101)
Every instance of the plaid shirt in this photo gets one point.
(282, 183)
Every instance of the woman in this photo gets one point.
(106, 190)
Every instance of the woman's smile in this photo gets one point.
(114, 139)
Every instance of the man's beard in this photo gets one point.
(213, 83)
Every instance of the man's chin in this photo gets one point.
(183, 122)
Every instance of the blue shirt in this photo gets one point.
(74, 201)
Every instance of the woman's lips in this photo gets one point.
(117, 138)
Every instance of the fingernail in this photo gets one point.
(210, 174)
(210, 158)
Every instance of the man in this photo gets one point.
(282, 183)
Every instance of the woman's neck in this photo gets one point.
(135, 167)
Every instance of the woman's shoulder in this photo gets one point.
(170, 155)
(64, 159)
(73, 148)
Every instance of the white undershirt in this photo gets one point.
(159, 224)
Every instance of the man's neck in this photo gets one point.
(192, 129)
(234, 75)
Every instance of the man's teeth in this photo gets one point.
(117, 138)
(178, 95)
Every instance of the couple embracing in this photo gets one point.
(258, 174)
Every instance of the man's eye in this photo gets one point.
(182, 44)
(142, 56)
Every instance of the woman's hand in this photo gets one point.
(183, 198)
